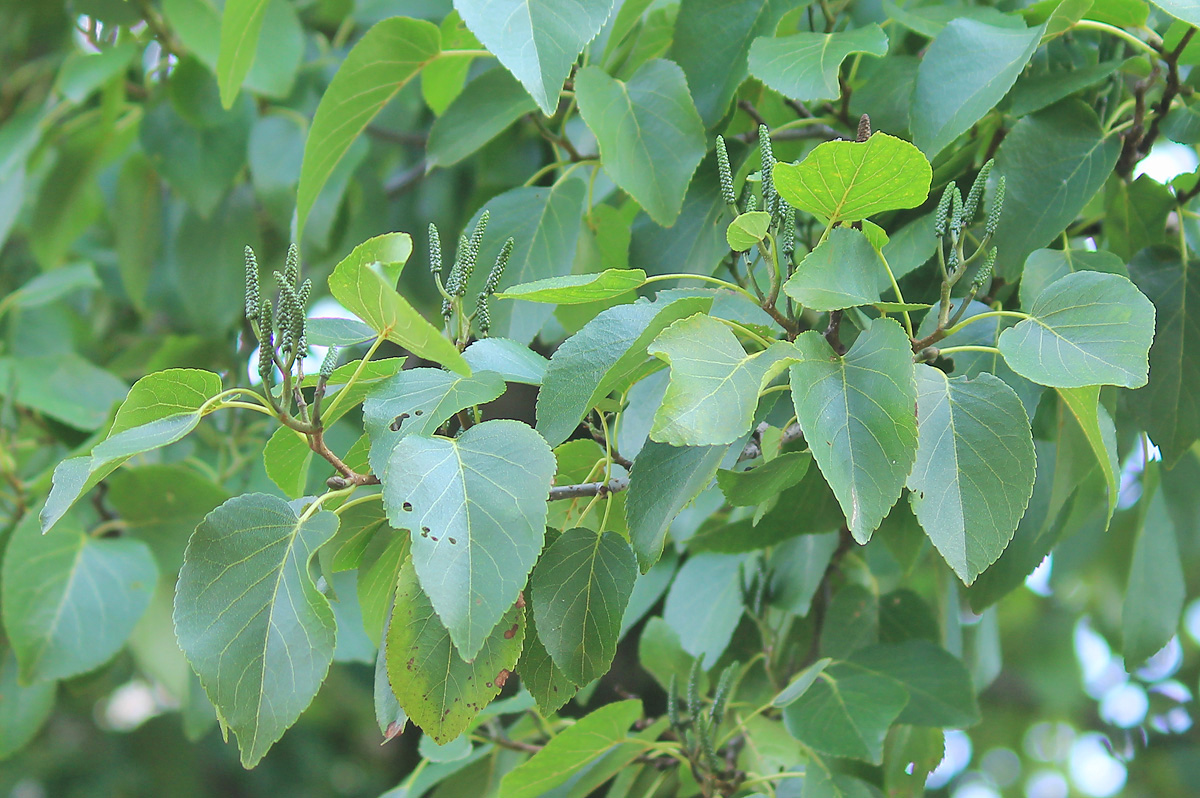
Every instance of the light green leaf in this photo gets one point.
(1136, 215)
(1101, 435)
(417, 402)
(797, 568)
(1037, 91)
(249, 618)
(1156, 590)
(799, 685)
(576, 289)
(847, 712)
(747, 230)
(601, 356)
(385, 59)
(162, 504)
(440, 690)
(714, 384)
(975, 467)
(844, 271)
(513, 361)
(651, 138)
(83, 73)
(850, 180)
(488, 105)
(25, 708)
(1087, 328)
(536, 40)
(577, 746)
(1186, 10)
(821, 782)
(70, 600)
(337, 332)
(705, 604)
(670, 477)
(857, 414)
(544, 680)
(1044, 266)
(64, 387)
(476, 507)
(804, 66)
(1053, 162)
(711, 43)
(161, 408)
(938, 685)
(52, 285)
(241, 23)
(1169, 406)
(377, 570)
(967, 69)
(757, 485)
(580, 589)
(371, 297)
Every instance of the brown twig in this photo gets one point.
(833, 332)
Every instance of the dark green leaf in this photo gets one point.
(1035, 92)
(847, 712)
(1136, 215)
(757, 485)
(25, 707)
(548, 685)
(668, 479)
(938, 685)
(797, 568)
(842, 272)
(241, 22)
(851, 622)
(799, 685)
(704, 604)
(1045, 266)
(488, 105)
(804, 66)
(1156, 590)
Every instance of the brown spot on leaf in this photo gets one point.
(502, 676)
(393, 731)
(509, 634)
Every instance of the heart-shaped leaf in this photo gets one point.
(804, 66)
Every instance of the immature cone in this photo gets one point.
(300, 322)
(252, 286)
(725, 173)
(943, 208)
(483, 318)
(767, 158)
(997, 208)
(787, 243)
(329, 363)
(864, 128)
(472, 252)
(971, 207)
(291, 271)
(984, 275)
(493, 280)
(956, 213)
(266, 366)
(435, 250)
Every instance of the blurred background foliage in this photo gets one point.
(121, 172)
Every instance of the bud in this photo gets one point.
(976, 193)
(330, 362)
(252, 286)
(483, 319)
(725, 173)
(767, 158)
(997, 208)
(943, 208)
(435, 250)
(751, 203)
(493, 280)
(864, 128)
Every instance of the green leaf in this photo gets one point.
(70, 600)
(1136, 215)
(476, 507)
(1045, 266)
(249, 618)
(241, 23)
(161, 408)
(844, 271)
(544, 221)
(938, 685)
(138, 205)
(162, 504)
(1085, 329)
(821, 782)
(799, 685)
(536, 40)
(705, 604)
(385, 59)
(442, 81)
(711, 44)
(488, 105)
(1156, 590)
(714, 384)
(26, 707)
(83, 73)
(967, 69)
(853, 622)
(1101, 436)
(846, 712)
(975, 467)
(440, 690)
(747, 230)
(377, 570)
(576, 289)
(1035, 92)
(577, 746)
(1186, 10)
(50, 286)
(850, 180)
(511, 360)
(757, 485)
(66, 388)
(418, 402)
(857, 414)
(544, 680)
(580, 588)
(373, 298)
(1053, 162)
(797, 568)
(668, 479)
(651, 138)
(1169, 406)
(804, 66)
(601, 356)
(337, 332)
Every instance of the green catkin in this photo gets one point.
(252, 286)
(767, 157)
(725, 173)
(288, 311)
(329, 363)
(264, 318)
(956, 211)
(997, 207)
(483, 318)
(943, 208)
(693, 690)
(721, 697)
(435, 250)
(706, 735)
(266, 365)
(984, 276)
(751, 203)
(787, 235)
(472, 253)
(971, 207)
(493, 280)
(291, 270)
(673, 707)
(300, 320)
